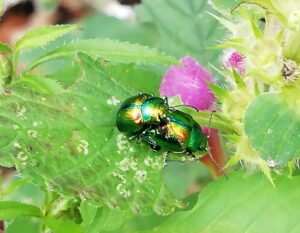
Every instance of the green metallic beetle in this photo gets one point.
(141, 112)
(152, 121)
(181, 134)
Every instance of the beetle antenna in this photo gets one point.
(210, 155)
(209, 123)
(220, 169)
(185, 105)
(166, 100)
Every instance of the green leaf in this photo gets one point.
(62, 226)
(142, 224)
(242, 203)
(25, 224)
(21, 190)
(88, 212)
(185, 28)
(220, 92)
(4, 47)
(67, 75)
(238, 80)
(96, 225)
(117, 29)
(111, 27)
(255, 29)
(107, 220)
(14, 186)
(292, 48)
(272, 124)
(42, 36)
(69, 142)
(41, 84)
(188, 174)
(218, 121)
(97, 220)
(11, 209)
(109, 50)
(135, 76)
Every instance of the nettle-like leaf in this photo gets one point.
(110, 50)
(272, 124)
(41, 84)
(69, 141)
(242, 203)
(135, 76)
(42, 36)
(179, 35)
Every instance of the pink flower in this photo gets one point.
(233, 58)
(189, 83)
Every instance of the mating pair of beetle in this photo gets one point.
(152, 121)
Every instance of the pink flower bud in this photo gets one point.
(233, 58)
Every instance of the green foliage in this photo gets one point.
(11, 209)
(42, 36)
(21, 190)
(62, 226)
(242, 203)
(292, 49)
(110, 51)
(107, 220)
(49, 209)
(113, 28)
(41, 85)
(11, 188)
(135, 76)
(185, 28)
(21, 225)
(88, 212)
(69, 141)
(90, 215)
(272, 124)
(5, 48)
(96, 26)
(59, 129)
(187, 174)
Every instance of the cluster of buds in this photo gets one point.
(260, 56)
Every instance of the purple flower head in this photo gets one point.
(189, 83)
(233, 58)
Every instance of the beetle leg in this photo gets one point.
(165, 133)
(153, 145)
(166, 158)
(163, 120)
(132, 137)
(194, 157)
(138, 139)
(166, 100)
